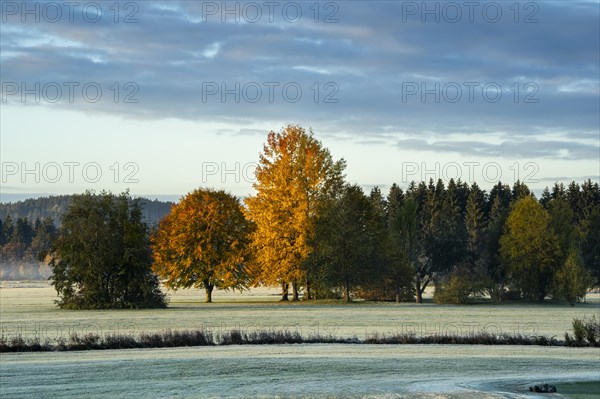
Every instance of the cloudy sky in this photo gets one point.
(163, 97)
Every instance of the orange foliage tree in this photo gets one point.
(296, 176)
(203, 243)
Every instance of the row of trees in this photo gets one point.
(28, 227)
(55, 206)
(307, 229)
(22, 244)
(37, 208)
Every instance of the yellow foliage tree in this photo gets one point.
(530, 248)
(203, 243)
(296, 176)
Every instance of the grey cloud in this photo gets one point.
(370, 56)
(569, 178)
(507, 149)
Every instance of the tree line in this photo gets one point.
(22, 245)
(309, 231)
(55, 206)
(27, 228)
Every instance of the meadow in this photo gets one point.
(28, 309)
(304, 370)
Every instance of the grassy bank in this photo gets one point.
(172, 339)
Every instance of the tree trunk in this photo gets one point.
(307, 295)
(208, 288)
(347, 286)
(295, 291)
(397, 289)
(500, 292)
(421, 288)
(284, 291)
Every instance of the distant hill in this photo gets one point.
(56, 205)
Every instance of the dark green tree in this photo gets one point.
(402, 228)
(394, 280)
(404, 234)
(545, 198)
(519, 191)
(590, 198)
(102, 257)
(562, 222)
(395, 201)
(502, 192)
(590, 244)
(429, 200)
(496, 269)
(45, 234)
(462, 196)
(449, 231)
(575, 199)
(347, 242)
(558, 191)
(23, 232)
(8, 227)
(2, 233)
(476, 227)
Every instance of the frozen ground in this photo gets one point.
(292, 371)
(31, 312)
(297, 371)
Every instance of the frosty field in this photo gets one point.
(319, 371)
(373, 371)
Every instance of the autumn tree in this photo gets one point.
(296, 177)
(203, 243)
(102, 258)
(530, 248)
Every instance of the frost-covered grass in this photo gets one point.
(302, 370)
(317, 371)
(31, 312)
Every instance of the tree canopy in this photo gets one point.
(102, 258)
(531, 248)
(203, 243)
(296, 176)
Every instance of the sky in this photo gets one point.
(164, 97)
